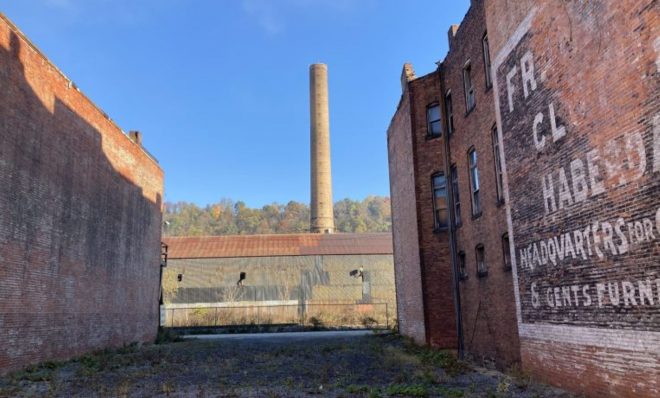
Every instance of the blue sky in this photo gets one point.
(219, 88)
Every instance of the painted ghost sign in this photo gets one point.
(583, 186)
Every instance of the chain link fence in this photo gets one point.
(369, 316)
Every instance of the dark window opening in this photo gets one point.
(179, 277)
(506, 253)
(474, 182)
(455, 195)
(487, 68)
(241, 278)
(450, 113)
(470, 100)
(433, 120)
(462, 270)
(482, 270)
(439, 185)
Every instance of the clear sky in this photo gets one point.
(219, 88)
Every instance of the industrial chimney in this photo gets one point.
(322, 217)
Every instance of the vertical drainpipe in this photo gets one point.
(452, 222)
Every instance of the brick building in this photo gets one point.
(551, 175)
(80, 218)
(449, 127)
(338, 279)
(416, 150)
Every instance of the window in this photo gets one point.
(484, 43)
(481, 262)
(433, 122)
(440, 201)
(468, 87)
(462, 271)
(506, 254)
(474, 182)
(450, 113)
(499, 178)
(456, 195)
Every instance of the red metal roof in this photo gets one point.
(277, 245)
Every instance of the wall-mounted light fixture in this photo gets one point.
(241, 279)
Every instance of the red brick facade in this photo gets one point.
(80, 215)
(573, 113)
(488, 312)
(435, 275)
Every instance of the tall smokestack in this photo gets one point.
(322, 217)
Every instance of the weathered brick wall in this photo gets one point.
(80, 214)
(407, 270)
(437, 280)
(577, 88)
(487, 303)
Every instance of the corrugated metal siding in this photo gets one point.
(314, 279)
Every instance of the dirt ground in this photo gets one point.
(365, 366)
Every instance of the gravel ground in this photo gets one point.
(352, 366)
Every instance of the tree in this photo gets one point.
(226, 217)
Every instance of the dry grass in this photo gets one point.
(372, 366)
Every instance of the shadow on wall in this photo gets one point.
(79, 241)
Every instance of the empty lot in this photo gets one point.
(332, 366)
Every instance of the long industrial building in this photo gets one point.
(336, 279)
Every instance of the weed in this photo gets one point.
(503, 386)
(124, 388)
(316, 323)
(165, 336)
(369, 322)
(519, 377)
(427, 376)
(451, 392)
(441, 359)
(128, 348)
(167, 387)
(409, 390)
(357, 389)
(374, 393)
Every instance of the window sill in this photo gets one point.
(482, 274)
(470, 110)
(433, 137)
(440, 230)
(475, 216)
